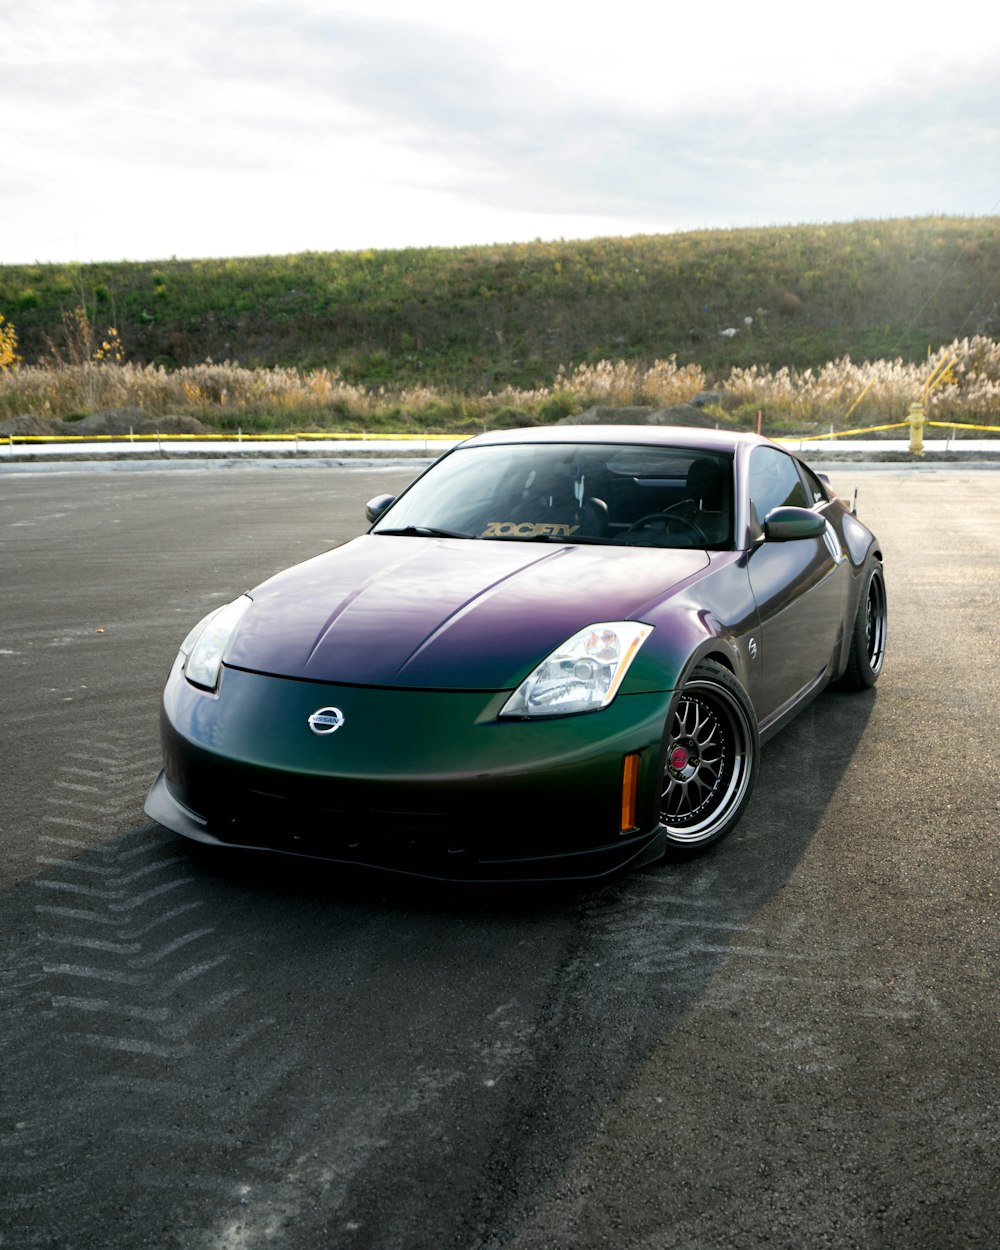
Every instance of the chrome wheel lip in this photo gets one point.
(729, 766)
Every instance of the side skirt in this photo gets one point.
(778, 719)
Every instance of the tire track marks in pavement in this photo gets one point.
(125, 1015)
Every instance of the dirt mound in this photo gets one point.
(131, 420)
(30, 426)
(120, 421)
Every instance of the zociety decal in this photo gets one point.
(527, 529)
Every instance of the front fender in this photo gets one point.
(712, 616)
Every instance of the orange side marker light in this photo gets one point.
(630, 789)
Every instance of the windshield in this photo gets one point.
(567, 492)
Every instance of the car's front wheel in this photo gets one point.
(710, 765)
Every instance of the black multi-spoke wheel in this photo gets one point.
(712, 747)
(871, 627)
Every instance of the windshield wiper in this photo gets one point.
(425, 531)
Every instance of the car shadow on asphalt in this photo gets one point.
(264, 1011)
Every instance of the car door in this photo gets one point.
(799, 587)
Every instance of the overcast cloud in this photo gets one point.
(217, 129)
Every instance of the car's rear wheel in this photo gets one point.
(868, 638)
(710, 765)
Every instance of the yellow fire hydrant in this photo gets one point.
(918, 418)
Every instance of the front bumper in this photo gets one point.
(423, 782)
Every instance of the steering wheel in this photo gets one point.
(668, 523)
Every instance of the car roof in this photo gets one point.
(626, 435)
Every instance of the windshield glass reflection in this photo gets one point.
(575, 493)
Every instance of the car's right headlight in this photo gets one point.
(205, 645)
(583, 675)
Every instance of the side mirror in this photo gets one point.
(784, 525)
(375, 507)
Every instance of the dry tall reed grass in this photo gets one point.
(227, 394)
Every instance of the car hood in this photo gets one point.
(443, 614)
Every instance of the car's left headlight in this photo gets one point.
(206, 644)
(582, 675)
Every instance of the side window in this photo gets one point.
(775, 482)
(814, 487)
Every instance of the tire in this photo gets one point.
(868, 636)
(711, 755)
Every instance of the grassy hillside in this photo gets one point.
(478, 319)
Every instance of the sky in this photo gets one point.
(162, 128)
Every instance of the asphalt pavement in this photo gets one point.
(790, 1041)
